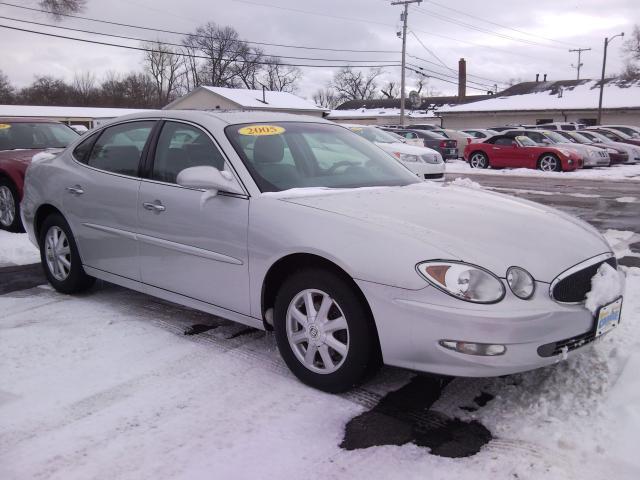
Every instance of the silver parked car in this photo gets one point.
(298, 225)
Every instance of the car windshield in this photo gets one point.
(579, 138)
(374, 134)
(556, 137)
(526, 141)
(596, 137)
(628, 131)
(26, 135)
(286, 155)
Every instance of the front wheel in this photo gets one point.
(9, 207)
(324, 331)
(549, 163)
(60, 257)
(478, 160)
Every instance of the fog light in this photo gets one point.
(469, 348)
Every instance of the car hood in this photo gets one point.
(404, 148)
(25, 155)
(578, 147)
(487, 229)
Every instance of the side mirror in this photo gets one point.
(208, 178)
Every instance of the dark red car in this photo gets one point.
(503, 151)
(20, 140)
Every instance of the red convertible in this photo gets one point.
(20, 140)
(502, 151)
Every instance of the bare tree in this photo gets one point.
(7, 91)
(631, 47)
(84, 85)
(164, 66)
(351, 84)
(249, 66)
(63, 7)
(280, 77)
(390, 90)
(326, 98)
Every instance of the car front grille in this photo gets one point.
(567, 345)
(433, 176)
(574, 287)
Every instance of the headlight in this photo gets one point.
(611, 150)
(593, 153)
(463, 281)
(521, 282)
(406, 157)
(433, 158)
(566, 153)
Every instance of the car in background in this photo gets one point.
(462, 139)
(448, 148)
(416, 142)
(616, 155)
(633, 151)
(423, 126)
(80, 129)
(480, 134)
(20, 140)
(507, 151)
(424, 162)
(633, 132)
(615, 135)
(591, 156)
(294, 224)
(568, 126)
(504, 128)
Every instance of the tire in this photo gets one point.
(9, 207)
(478, 160)
(357, 353)
(64, 278)
(548, 162)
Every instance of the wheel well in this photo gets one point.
(284, 267)
(43, 212)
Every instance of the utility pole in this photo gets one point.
(580, 64)
(403, 17)
(607, 41)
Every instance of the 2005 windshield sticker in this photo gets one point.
(4, 126)
(258, 130)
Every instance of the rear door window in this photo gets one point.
(119, 148)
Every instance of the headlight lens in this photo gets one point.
(593, 153)
(463, 281)
(406, 157)
(521, 282)
(611, 150)
(433, 158)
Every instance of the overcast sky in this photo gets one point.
(549, 29)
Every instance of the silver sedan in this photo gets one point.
(298, 225)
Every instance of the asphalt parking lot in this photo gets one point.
(445, 417)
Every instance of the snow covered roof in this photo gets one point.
(63, 112)
(377, 112)
(573, 95)
(246, 98)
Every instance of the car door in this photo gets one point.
(191, 242)
(100, 201)
(501, 153)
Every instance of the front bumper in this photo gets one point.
(427, 171)
(598, 161)
(412, 322)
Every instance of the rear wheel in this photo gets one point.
(9, 207)
(60, 257)
(549, 163)
(324, 331)
(478, 160)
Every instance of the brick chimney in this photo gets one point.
(462, 79)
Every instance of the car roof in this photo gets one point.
(27, 120)
(228, 117)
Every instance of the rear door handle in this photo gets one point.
(154, 206)
(75, 190)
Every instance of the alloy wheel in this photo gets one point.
(57, 253)
(477, 160)
(7, 206)
(317, 331)
(548, 163)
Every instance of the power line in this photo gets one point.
(452, 70)
(173, 32)
(180, 54)
(428, 50)
(442, 79)
(176, 44)
(454, 78)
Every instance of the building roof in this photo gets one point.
(426, 103)
(63, 112)
(559, 95)
(378, 112)
(253, 99)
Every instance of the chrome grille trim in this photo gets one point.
(576, 268)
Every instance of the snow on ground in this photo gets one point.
(105, 385)
(16, 249)
(615, 172)
(627, 199)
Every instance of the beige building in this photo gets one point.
(220, 98)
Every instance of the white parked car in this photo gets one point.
(480, 134)
(424, 162)
(633, 132)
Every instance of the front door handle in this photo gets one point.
(75, 190)
(154, 206)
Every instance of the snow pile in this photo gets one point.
(16, 249)
(46, 155)
(466, 182)
(626, 200)
(619, 240)
(606, 285)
